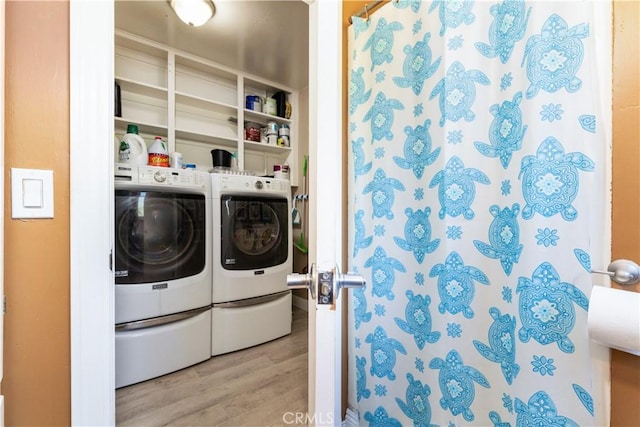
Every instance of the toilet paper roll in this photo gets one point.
(613, 319)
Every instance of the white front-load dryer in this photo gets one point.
(252, 255)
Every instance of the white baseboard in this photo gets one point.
(300, 302)
(351, 418)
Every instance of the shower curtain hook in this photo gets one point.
(366, 13)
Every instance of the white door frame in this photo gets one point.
(91, 26)
(325, 201)
(91, 205)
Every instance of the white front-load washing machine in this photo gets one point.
(252, 255)
(162, 269)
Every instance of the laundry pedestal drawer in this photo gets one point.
(245, 323)
(146, 353)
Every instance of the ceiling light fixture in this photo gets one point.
(193, 12)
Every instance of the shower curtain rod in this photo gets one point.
(366, 9)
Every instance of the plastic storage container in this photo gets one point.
(281, 103)
(284, 135)
(221, 158)
(252, 131)
(158, 153)
(253, 102)
(270, 107)
(132, 148)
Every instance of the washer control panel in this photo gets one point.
(159, 176)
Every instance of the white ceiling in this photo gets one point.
(266, 38)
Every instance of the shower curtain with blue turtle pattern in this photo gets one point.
(476, 165)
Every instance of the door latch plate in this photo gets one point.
(325, 287)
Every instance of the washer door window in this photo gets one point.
(254, 232)
(159, 236)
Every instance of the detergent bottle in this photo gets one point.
(158, 153)
(132, 148)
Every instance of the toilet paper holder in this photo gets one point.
(622, 271)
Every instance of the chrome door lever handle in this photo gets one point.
(304, 281)
(622, 271)
(349, 280)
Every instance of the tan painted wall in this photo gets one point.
(37, 373)
(625, 368)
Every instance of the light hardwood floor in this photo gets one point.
(265, 385)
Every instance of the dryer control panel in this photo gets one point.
(249, 184)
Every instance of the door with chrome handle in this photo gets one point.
(325, 284)
(622, 271)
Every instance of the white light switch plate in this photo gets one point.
(31, 193)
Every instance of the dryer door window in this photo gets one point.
(254, 232)
(159, 236)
